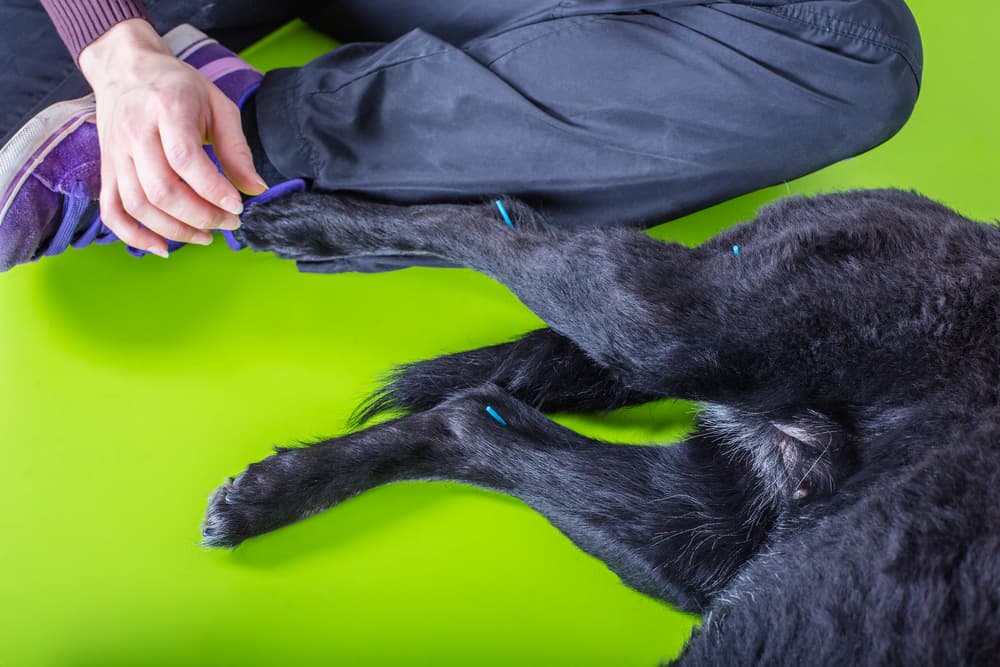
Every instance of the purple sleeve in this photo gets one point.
(80, 22)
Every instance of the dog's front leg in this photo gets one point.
(639, 307)
(672, 522)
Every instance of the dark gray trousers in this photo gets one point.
(599, 112)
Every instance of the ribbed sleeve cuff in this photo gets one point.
(80, 22)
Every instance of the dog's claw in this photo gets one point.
(220, 528)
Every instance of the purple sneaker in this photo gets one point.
(49, 172)
(50, 169)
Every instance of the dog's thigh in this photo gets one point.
(670, 521)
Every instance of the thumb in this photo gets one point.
(226, 137)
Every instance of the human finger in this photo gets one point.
(126, 228)
(230, 145)
(165, 190)
(182, 145)
(136, 204)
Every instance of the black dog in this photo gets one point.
(839, 502)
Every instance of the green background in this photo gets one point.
(131, 388)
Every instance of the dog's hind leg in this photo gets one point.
(674, 522)
(545, 370)
(786, 311)
(638, 307)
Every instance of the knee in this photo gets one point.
(890, 88)
(864, 54)
(883, 110)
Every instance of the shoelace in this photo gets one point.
(77, 206)
(279, 190)
(74, 208)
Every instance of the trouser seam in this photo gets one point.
(378, 69)
(561, 25)
(843, 27)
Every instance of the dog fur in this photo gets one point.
(839, 500)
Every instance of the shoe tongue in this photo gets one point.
(74, 164)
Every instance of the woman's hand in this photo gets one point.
(154, 113)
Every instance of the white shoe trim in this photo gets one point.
(31, 144)
(184, 38)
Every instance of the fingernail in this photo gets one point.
(232, 224)
(233, 205)
(261, 184)
(159, 252)
(203, 239)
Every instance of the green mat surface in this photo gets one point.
(131, 388)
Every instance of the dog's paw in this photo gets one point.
(222, 522)
(250, 504)
(230, 519)
(294, 227)
(270, 227)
